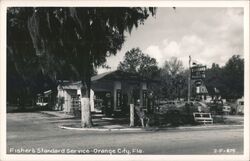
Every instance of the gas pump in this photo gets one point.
(150, 107)
(108, 104)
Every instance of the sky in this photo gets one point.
(208, 35)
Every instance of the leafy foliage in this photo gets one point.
(173, 66)
(174, 79)
(229, 79)
(24, 75)
(65, 43)
(135, 61)
(233, 73)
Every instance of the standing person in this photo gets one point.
(141, 114)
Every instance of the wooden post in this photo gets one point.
(132, 115)
(189, 79)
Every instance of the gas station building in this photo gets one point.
(111, 92)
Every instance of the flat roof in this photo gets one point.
(112, 75)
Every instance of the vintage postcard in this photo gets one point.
(124, 80)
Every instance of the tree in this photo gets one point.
(233, 77)
(214, 79)
(174, 78)
(24, 76)
(135, 61)
(229, 79)
(173, 66)
(71, 41)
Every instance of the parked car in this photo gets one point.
(240, 106)
(41, 101)
(226, 109)
(216, 107)
(237, 107)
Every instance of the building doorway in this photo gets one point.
(103, 102)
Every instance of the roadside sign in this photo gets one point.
(201, 89)
(198, 72)
(198, 82)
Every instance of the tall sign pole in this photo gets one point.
(189, 79)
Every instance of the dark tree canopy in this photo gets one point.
(135, 61)
(24, 73)
(233, 75)
(82, 38)
(214, 79)
(229, 79)
(65, 43)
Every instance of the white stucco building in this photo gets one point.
(111, 92)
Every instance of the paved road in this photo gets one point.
(40, 133)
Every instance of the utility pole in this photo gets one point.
(189, 79)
